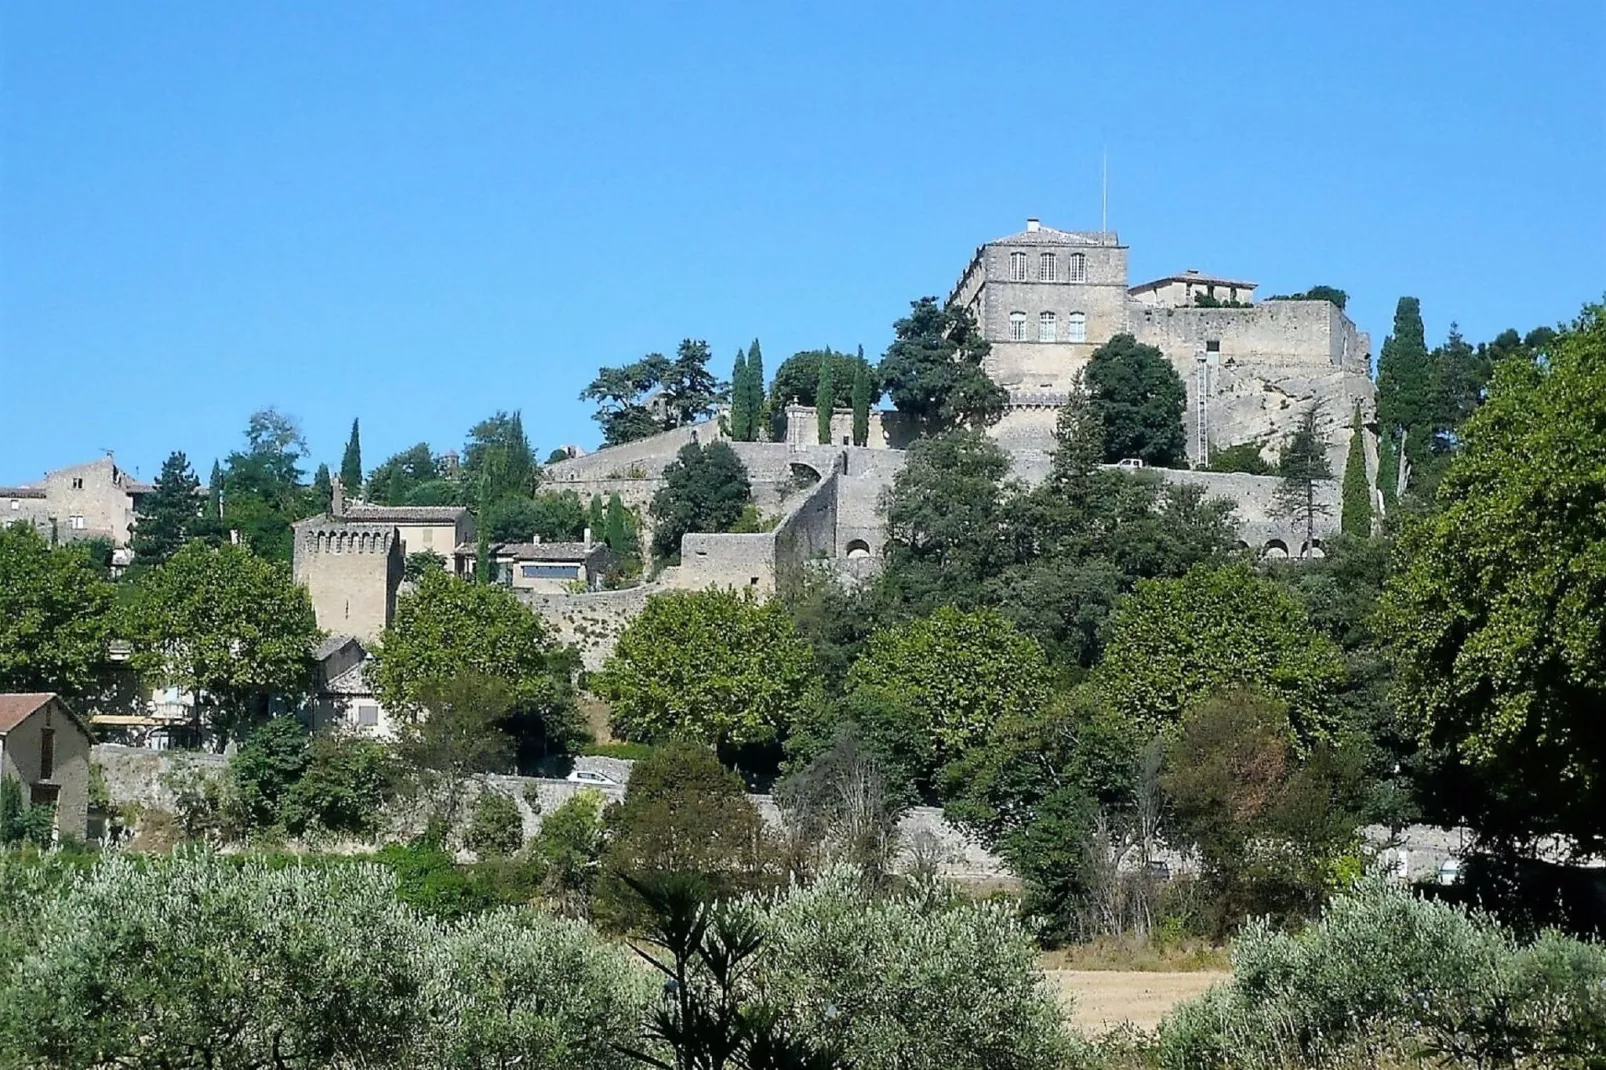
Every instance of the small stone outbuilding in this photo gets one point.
(45, 745)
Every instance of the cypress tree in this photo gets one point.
(861, 404)
(323, 487)
(741, 400)
(214, 486)
(351, 463)
(825, 401)
(757, 409)
(1356, 518)
(597, 519)
(621, 528)
(1388, 466)
(1405, 395)
(168, 513)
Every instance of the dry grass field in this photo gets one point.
(1103, 999)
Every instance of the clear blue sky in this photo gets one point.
(421, 213)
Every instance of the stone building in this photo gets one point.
(342, 698)
(543, 566)
(1191, 287)
(437, 528)
(45, 746)
(351, 570)
(83, 501)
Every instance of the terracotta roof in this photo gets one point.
(1195, 276)
(16, 708)
(405, 514)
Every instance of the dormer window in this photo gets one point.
(1046, 268)
(1017, 326)
(1045, 327)
(1077, 268)
(1017, 267)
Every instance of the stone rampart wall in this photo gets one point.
(591, 621)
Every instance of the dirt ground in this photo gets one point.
(1105, 998)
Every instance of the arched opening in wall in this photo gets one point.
(1242, 545)
(1312, 549)
(803, 475)
(858, 549)
(1275, 549)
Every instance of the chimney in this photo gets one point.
(587, 538)
(536, 539)
(337, 498)
(1033, 225)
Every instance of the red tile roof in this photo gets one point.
(14, 709)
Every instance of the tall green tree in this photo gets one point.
(597, 518)
(741, 419)
(861, 405)
(621, 528)
(1301, 467)
(168, 513)
(351, 468)
(705, 488)
(1139, 398)
(393, 481)
(756, 407)
(55, 616)
(1405, 404)
(497, 457)
(1356, 516)
(797, 380)
(1173, 643)
(228, 627)
(690, 390)
(1494, 615)
(825, 394)
(262, 492)
(323, 487)
(713, 666)
(622, 396)
(934, 370)
(447, 627)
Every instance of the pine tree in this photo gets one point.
(861, 404)
(1302, 465)
(757, 408)
(741, 400)
(351, 463)
(824, 401)
(168, 513)
(1356, 518)
(597, 519)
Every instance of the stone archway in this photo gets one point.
(1275, 549)
(857, 550)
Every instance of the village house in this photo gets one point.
(551, 567)
(45, 747)
(343, 699)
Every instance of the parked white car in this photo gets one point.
(588, 776)
(1130, 462)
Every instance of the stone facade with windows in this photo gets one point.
(84, 501)
(45, 747)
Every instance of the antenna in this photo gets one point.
(1104, 216)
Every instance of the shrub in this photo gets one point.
(272, 758)
(346, 783)
(633, 752)
(568, 851)
(496, 828)
(910, 985)
(19, 822)
(1384, 975)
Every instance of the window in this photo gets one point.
(1045, 327)
(1047, 269)
(76, 523)
(1017, 326)
(78, 483)
(1078, 268)
(550, 572)
(1213, 345)
(15, 505)
(47, 752)
(1076, 327)
(429, 536)
(368, 716)
(1017, 267)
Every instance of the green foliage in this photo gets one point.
(422, 561)
(1138, 397)
(168, 514)
(1356, 516)
(620, 529)
(843, 805)
(687, 816)
(323, 488)
(654, 394)
(851, 969)
(495, 827)
(955, 674)
(447, 628)
(271, 759)
(1388, 466)
(343, 788)
(1494, 613)
(227, 626)
(629, 751)
(1302, 465)
(351, 468)
(1241, 457)
(797, 380)
(825, 396)
(261, 492)
(758, 409)
(569, 848)
(704, 489)
(933, 370)
(860, 401)
(55, 616)
(21, 823)
(1331, 294)
(1176, 642)
(1405, 395)
(498, 459)
(714, 666)
(1385, 979)
(393, 481)
(741, 411)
